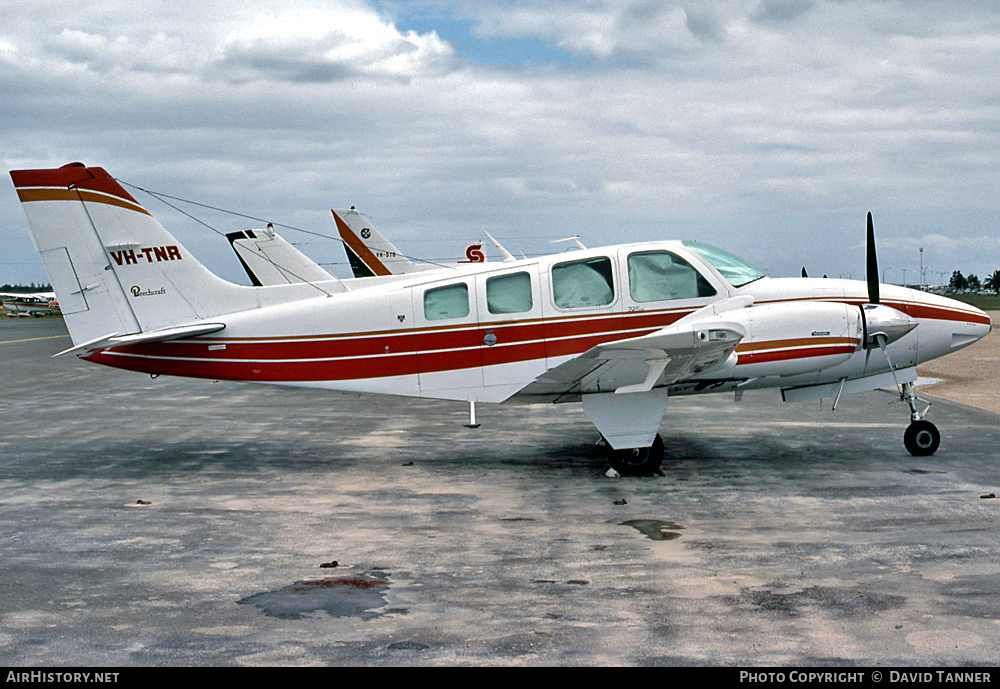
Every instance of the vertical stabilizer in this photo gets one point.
(368, 251)
(269, 259)
(114, 268)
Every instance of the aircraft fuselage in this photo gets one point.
(442, 333)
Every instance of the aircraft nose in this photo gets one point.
(976, 327)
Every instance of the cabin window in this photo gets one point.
(587, 282)
(446, 302)
(509, 293)
(661, 275)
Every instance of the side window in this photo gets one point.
(587, 282)
(446, 302)
(661, 275)
(509, 293)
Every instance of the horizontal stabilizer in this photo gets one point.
(116, 340)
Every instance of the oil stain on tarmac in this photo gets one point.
(360, 596)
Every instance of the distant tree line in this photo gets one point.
(972, 283)
(7, 287)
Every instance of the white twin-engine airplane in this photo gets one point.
(620, 329)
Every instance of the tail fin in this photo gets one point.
(270, 260)
(115, 269)
(368, 251)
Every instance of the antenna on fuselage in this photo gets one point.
(575, 239)
(507, 256)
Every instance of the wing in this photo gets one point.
(664, 357)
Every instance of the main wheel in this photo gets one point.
(921, 438)
(639, 460)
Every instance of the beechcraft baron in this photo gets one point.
(620, 329)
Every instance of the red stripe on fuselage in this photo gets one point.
(382, 354)
(910, 308)
(426, 350)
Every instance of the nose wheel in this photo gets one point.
(637, 461)
(921, 438)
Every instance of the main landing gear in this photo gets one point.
(921, 437)
(637, 461)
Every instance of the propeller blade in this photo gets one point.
(872, 263)
(804, 274)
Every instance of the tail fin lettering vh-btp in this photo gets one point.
(619, 329)
(369, 252)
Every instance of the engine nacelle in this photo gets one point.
(790, 339)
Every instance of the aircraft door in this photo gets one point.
(511, 333)
(446, 339)
(583, 305)
(400, 340)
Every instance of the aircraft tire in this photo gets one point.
(638, 461)
(921, 438)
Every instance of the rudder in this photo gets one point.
(114, 268)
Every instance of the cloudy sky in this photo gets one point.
(767, 127)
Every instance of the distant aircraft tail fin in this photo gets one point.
(368, 251)
(270, 260)
(115, 269)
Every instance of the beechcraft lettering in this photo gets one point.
(139, 292)
(149, 254)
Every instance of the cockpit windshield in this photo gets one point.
(737, 271)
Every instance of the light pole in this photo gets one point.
(922, 281)
(883, 272)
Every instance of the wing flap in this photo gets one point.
(639, 364)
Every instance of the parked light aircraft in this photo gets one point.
(29, 304)
(620, 329)
(269, 259)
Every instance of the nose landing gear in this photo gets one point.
(921, 438)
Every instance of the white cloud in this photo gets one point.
(762, 126)
(329, 45)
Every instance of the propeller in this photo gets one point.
(881, 324)
(804, 274)
(872, 264)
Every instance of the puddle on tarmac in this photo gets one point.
(655, 529)
(351, 596)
